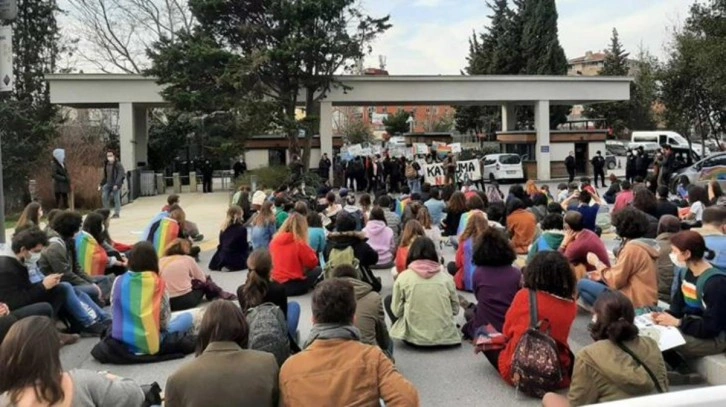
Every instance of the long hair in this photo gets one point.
(106, 213)
(457, 203)
(29, 356)
(615, 318)
(476, 225)
(178, 247)
(31, 213)
(424, 218)
(234, 216)
(531, 188)
(412, 230)
(297, 225)
(93, 224)
(223, 322)
(265, 216)
(255, 288)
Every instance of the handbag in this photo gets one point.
(640, 362)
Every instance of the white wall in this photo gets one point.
(257, 159)
(559, 151)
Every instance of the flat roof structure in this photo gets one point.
(134, 94)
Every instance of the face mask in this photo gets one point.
(34, 257)
(111, 159)
(678, 263)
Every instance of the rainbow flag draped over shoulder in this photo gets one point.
(401, 206)
(90, 255)
(465, 221)
(163, 234)
(469, 265)
(136, 310)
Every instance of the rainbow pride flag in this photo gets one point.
(90, 255)
(166, 231)
(401, 206)
(469, 266)
(136, 311)
(465, 221)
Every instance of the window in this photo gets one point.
(510, 159)
(277, 156)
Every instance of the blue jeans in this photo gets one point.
(76, 308)
(103, 282)
(182, 323)
(589, 290)
(293, 317)
(415, 185)
(109, 193)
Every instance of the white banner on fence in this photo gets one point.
(465, 170)
(355, 150)
(421, 148)
(455, 148)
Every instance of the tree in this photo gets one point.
(356, 131)
(643, 92)
(616, 59)
(397, 123)
(540, 44)
(27, 118)
(274, 49)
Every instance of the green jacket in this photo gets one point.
(553, 239)
(426, 308)
(604, 372)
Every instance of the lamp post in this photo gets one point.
(8, 12)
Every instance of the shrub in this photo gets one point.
(273, 177)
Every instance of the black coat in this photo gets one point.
(598, 163)
(61, 180)
(15, 288)
(570, 163)
(232, 250)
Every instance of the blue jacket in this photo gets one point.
(261, 236)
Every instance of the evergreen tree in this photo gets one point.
(616, 59)
(540, 44)
(397, 123)
(27, 118)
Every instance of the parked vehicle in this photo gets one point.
(703, 171)
(610, 161)
(665, 137)
(499, 167)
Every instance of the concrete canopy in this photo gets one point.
(133, 94)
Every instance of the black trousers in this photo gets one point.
(599, 173)
(39, 309)
(186, 301)
(206, 184)
(301, 287)
(571, 173)
(61, 200)
(387, 300)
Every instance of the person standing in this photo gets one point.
(642, 162)
(207, 175)
(324, 166)
(450, 167)
(113, 180)
(239, 167)
(570, 166)
(61, 179)
(666, 168)
(598, 168)
(630, 166)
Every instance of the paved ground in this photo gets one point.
(443, 377)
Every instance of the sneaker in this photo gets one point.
(95, 329)
(68, 339)
(198, 238)
(115, 216)
(684, 379)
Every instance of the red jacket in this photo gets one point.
(290, 258)
(401, 256)
(560, 313)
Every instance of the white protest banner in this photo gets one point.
(398, 151)
(376, 149)
(465, 170)
(455, 148)
(378, 118)
(420, 148)
(366, 152)
(355, 150)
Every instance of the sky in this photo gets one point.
(431, 36)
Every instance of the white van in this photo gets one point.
(497, 167)
(639, 138)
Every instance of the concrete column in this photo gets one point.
(141, 134)
(326, 131)
(542, 152)
(509, 117)
(127, 142)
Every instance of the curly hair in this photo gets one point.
(493, 248)
(549, 271)
(457, 203)
(645, 200)
(631, 223)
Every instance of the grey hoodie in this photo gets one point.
(60, 155)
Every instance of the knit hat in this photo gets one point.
(343, 192)
(258, 198)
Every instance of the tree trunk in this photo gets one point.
(312, 124)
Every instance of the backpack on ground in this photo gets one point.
(411, 172)
(536, 366)
(268, 331)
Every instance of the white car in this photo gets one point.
(499, 167)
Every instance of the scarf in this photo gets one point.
(332, 331)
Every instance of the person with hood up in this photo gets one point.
(61, 179)
(111, 183)
(294, 263)
(380, 238)
(635, 273)
(346, 237)
(352, 210)
(618, 365)
(369, 317)
(424, 305)
(551, 237)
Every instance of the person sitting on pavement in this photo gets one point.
(455, 207)
(111, 244)
(698, 201)
(295, 264)
(411, 232)
(619, 364)
(463, 267)
(30, 217)
(551, 237)
(551, 279)
(578, 242)
(589, 212)
(336, 369)
(33, 374)
(259, 289)
(539, 206)
(435, 206)
(143, 324)
(563, 192)
(392, 220)
(346, 237)
(634, 273)
(110, 259)
(665, 207)
(644, 200)
(354, 211)
(698, 308)
(474, 204)
(613, 189)
(263, 227)
(190, 228)
(233, 247)
(714, 224)
(430, 228)
(495, 281)
(233, 374)
(317, 238)
(59, 257)
(624, 198)
(380, 238)
(165, 230)
(280, 212)
(521, 225)
(369, 316)
(668, 226)
(424, 305)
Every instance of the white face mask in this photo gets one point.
(34, 257)
(111, 158)
(678, 263)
